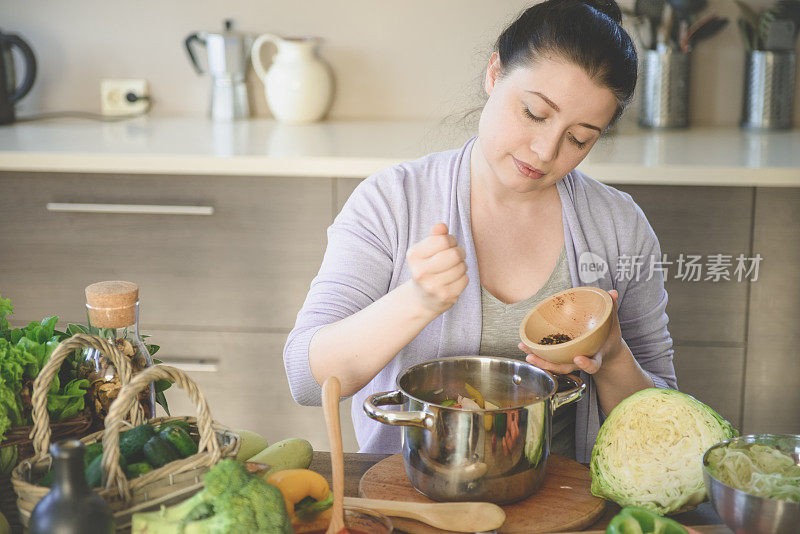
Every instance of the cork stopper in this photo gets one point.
(112, 304)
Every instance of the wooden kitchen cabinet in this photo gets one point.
(246, 267)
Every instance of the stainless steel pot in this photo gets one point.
(455, 454)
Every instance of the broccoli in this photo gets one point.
(232, 501)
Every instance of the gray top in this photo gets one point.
(500, 336)
(395, 208)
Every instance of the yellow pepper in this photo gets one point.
(297, 484)
(474, 394)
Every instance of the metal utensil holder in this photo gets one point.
(768, 90)
(665, 89)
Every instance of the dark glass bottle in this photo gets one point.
(71, 507)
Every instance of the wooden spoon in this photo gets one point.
(331, 395)
(452, 516)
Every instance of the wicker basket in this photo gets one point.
(72, 427)
(166, 485)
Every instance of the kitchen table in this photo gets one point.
(356, 464)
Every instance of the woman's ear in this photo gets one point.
(492, 72)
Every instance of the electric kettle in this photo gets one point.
(10, 93)
(228, 61)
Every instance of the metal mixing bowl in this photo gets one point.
(745, 513)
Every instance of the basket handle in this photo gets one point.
(41, 418)
(128, 396)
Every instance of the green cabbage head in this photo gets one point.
(649, 451)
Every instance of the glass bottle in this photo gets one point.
(71, 506)
(112, 308)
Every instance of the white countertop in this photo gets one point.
(697, 156)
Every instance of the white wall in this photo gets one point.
(408, 59)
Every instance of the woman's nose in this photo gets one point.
(546, 145)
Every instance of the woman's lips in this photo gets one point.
(527, 170)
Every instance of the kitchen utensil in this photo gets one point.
(564, 502)
(665, 29)
(457, 516)
(748, 514)
(455, 454)
(298, 84)
(780, 36)
(331, 390)
(582, 313)
(703, 29)
(780, 10)
(10, 93)
(228, 62)
(684, 9)
(651, 10)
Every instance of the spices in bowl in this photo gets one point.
(555, 339)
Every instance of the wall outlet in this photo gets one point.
(116, 96)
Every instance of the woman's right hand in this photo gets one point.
(438, 270)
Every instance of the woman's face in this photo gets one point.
(540, 122)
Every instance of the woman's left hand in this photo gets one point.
(589, 363)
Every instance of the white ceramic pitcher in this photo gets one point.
(298, 84)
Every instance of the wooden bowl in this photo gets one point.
(582, 313)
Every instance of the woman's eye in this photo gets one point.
(579, 144)
(532, 116)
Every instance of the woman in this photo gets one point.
(444, 255)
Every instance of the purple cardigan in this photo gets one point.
(395, 208)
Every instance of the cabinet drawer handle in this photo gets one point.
(148, 209)
(198, 366)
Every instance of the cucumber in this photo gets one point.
(92, 451)
(180, 440)
(159, 452)
(94, 472)
(292, 453)
(137, 469)
(47, 479)
(132, 442)
(177, 423)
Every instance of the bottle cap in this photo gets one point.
(112, 304)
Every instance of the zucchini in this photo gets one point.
(177, 423)
(180, 440)
(94, 472)
(92, 451)
(137, 469)
(132, 442)
(159, 452)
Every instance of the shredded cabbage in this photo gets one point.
(757, 469)
(649, 451)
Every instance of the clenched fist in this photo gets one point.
(438, 270)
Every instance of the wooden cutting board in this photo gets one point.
(563, 503)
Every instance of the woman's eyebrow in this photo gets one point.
(555, 107)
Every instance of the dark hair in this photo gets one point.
(587, 34)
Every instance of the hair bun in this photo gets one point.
(607, 7)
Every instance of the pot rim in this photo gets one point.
(549, 396)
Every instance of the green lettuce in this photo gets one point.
(23, 354)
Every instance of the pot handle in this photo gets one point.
(418, 419)
(569, 395)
